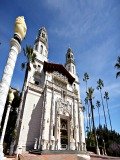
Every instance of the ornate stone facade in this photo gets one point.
(52, 113)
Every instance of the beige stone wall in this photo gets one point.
(30, 128)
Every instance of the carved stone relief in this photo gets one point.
(63, 108)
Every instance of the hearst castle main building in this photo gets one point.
(52, 113)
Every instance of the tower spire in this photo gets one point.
(41, 43)
(70, 61)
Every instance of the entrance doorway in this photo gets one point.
(64, 134)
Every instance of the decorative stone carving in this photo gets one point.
(64, 108)
(37, 74)
(20, 27)
(72, 145)
(59, 76)
(60, 80)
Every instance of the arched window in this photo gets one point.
(36, 47)
(43, 35)
(74, 86)
(73, 69)
(68, 68)
(41, 50)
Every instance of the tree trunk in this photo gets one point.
(21, 109)
(94, 129)
(103, 108)
(109, 115)
(99, 115)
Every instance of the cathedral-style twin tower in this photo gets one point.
(52, 115)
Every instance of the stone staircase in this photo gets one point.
(57, 152)
(48, 157)
(28, 156)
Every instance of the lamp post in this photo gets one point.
(10, 99)
(15, 48)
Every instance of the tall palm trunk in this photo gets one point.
(98, 106)
(103, 108)
(109, 115)
(94, 129)
(86, 77)
(89, 112)
(89, 116)
(20, 113)
(99, 115)
(90, 97)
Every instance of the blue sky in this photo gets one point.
(90, 27)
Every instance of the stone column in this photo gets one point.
(57, 126)
(44, 122)
(11, 97)
(81, 128)
(15, 48)
(75, 125)
(51, 138)
(72, 141)
(58, 132)
(4, 129)
(7, 74)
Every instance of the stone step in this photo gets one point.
(49, 157)
(57, 152)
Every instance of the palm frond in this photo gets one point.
(106, 95)
(90, 93)
(100, 84)
(117, 65)
(28, 67)
(33, 58)
(98, 103)
(117, 74)
(86, 76)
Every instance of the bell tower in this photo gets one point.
(70, 62)
(41, 45)
(36, 75)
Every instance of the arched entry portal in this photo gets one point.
(64, 133)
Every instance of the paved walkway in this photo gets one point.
(60, 157)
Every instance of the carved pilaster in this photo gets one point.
(51, 139)
(74, 120)
(81, 129)
(43, 139)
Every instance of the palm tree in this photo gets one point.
(88, 114)
(106, 97)
(30, 59)
(98, 106)
(117, 65)
(86, 109)
(90, 98)
(85, 79)
(84, 121)
(99, 87)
